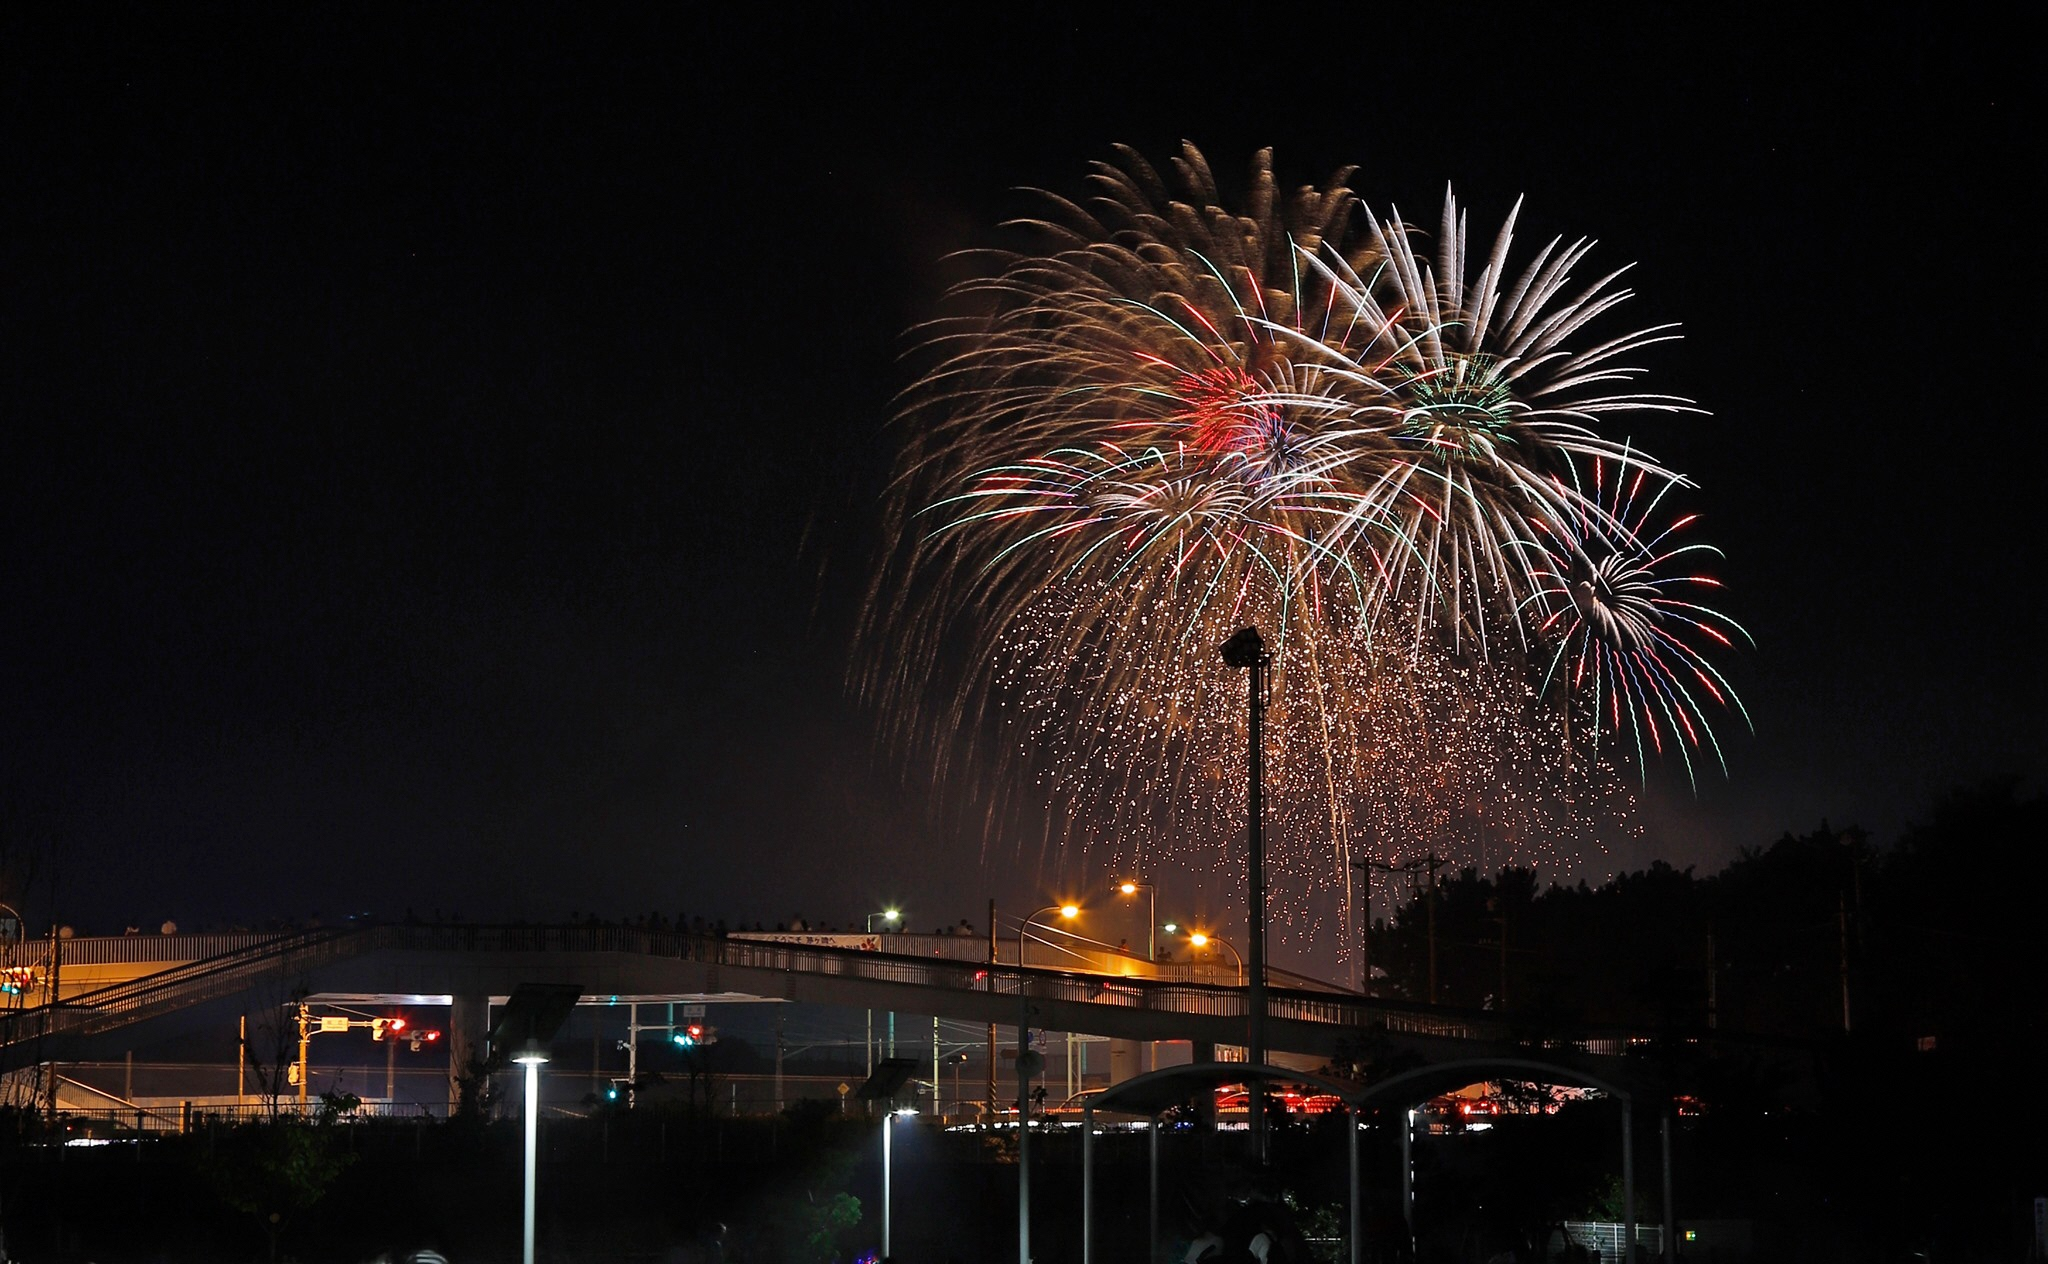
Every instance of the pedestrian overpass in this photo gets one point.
(468, 968)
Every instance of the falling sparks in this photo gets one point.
(1173, 420)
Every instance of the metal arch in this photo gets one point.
(1413, 1086)
(1152, 1093)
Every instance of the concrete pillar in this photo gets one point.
(1203, 1052)
(469, 1028)
(1126, 1059)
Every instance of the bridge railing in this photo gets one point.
(100, 950)
(279, 957)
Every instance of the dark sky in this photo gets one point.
(440, 446)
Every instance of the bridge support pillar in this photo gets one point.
(1202, 1052)
(1127, 1059)
(469, 1027)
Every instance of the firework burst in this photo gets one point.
(1493, 407)
(1624, 629)
(1175, 419)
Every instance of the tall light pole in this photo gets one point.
(888, 1173)
(1132, 887)
(531, 1056)
(1027, 1064)
(1246, 649)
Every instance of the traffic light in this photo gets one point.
(689, 1037)
(377, 1027)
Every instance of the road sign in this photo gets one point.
(331, 1022)
(693, 1011)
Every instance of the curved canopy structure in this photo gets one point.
(1152, 1094)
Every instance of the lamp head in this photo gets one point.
(532, 1053)
(890, 915)
(1199, 940)
(1245, 648)
(1128, 888)
(1070, 910)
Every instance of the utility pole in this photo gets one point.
(1365, 867)
(56, 998)
(1432, 863)
(989, 1103)
(1713, 983)
(305, 1047)
(1500, 919)
(1428, 864)
(633, 1054)
(1842, 927)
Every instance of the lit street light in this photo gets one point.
(1200, 940)
(531, 1056)
(888, 1171)
(1028, 1062)
(889, 916)
(1132, 887)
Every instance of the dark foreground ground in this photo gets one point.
(657, 1186)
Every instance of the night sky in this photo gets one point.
(441, 450)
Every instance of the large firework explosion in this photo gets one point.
(1171, 420)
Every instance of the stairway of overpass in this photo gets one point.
(405, 962)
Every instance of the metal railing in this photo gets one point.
(180, 986)
(103, 950)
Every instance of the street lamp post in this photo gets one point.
(1200, 940)
(531, 1056)
(890, 916)
(1132, 887)
(1027, 1064)
(1246, 649)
